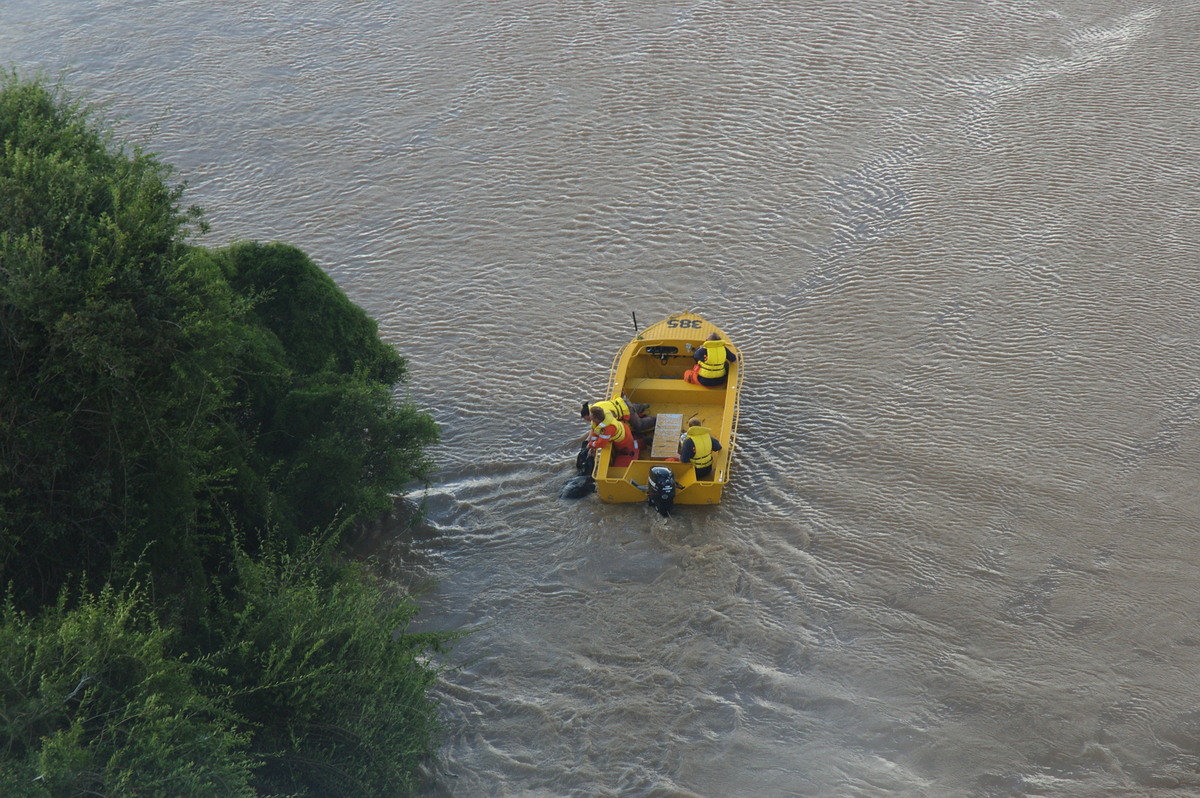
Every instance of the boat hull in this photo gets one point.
(649, 370)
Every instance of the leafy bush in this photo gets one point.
(93, 704)
(332, 689)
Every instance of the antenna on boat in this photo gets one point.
(635, 326)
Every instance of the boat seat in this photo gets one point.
(677, 391)
(659, 384)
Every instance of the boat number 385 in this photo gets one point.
(684, 323)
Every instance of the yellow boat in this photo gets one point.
(650, 370)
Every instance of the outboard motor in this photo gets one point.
(661, 490)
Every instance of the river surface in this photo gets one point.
(957, 244)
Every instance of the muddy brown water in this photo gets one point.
(957, 244)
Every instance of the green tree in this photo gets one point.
(115, 333)
(316, 393)
(161, 405)
(157, 394)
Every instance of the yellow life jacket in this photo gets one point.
(712, 367)
(609, 420)
(615, 407)
(702, 440)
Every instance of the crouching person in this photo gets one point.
(631, 413)
(608, 431)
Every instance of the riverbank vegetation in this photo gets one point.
(186, 435)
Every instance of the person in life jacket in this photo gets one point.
(632, 413)
(607, 431)
(712, 362)
(698, 447)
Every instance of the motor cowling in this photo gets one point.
(661, 492)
